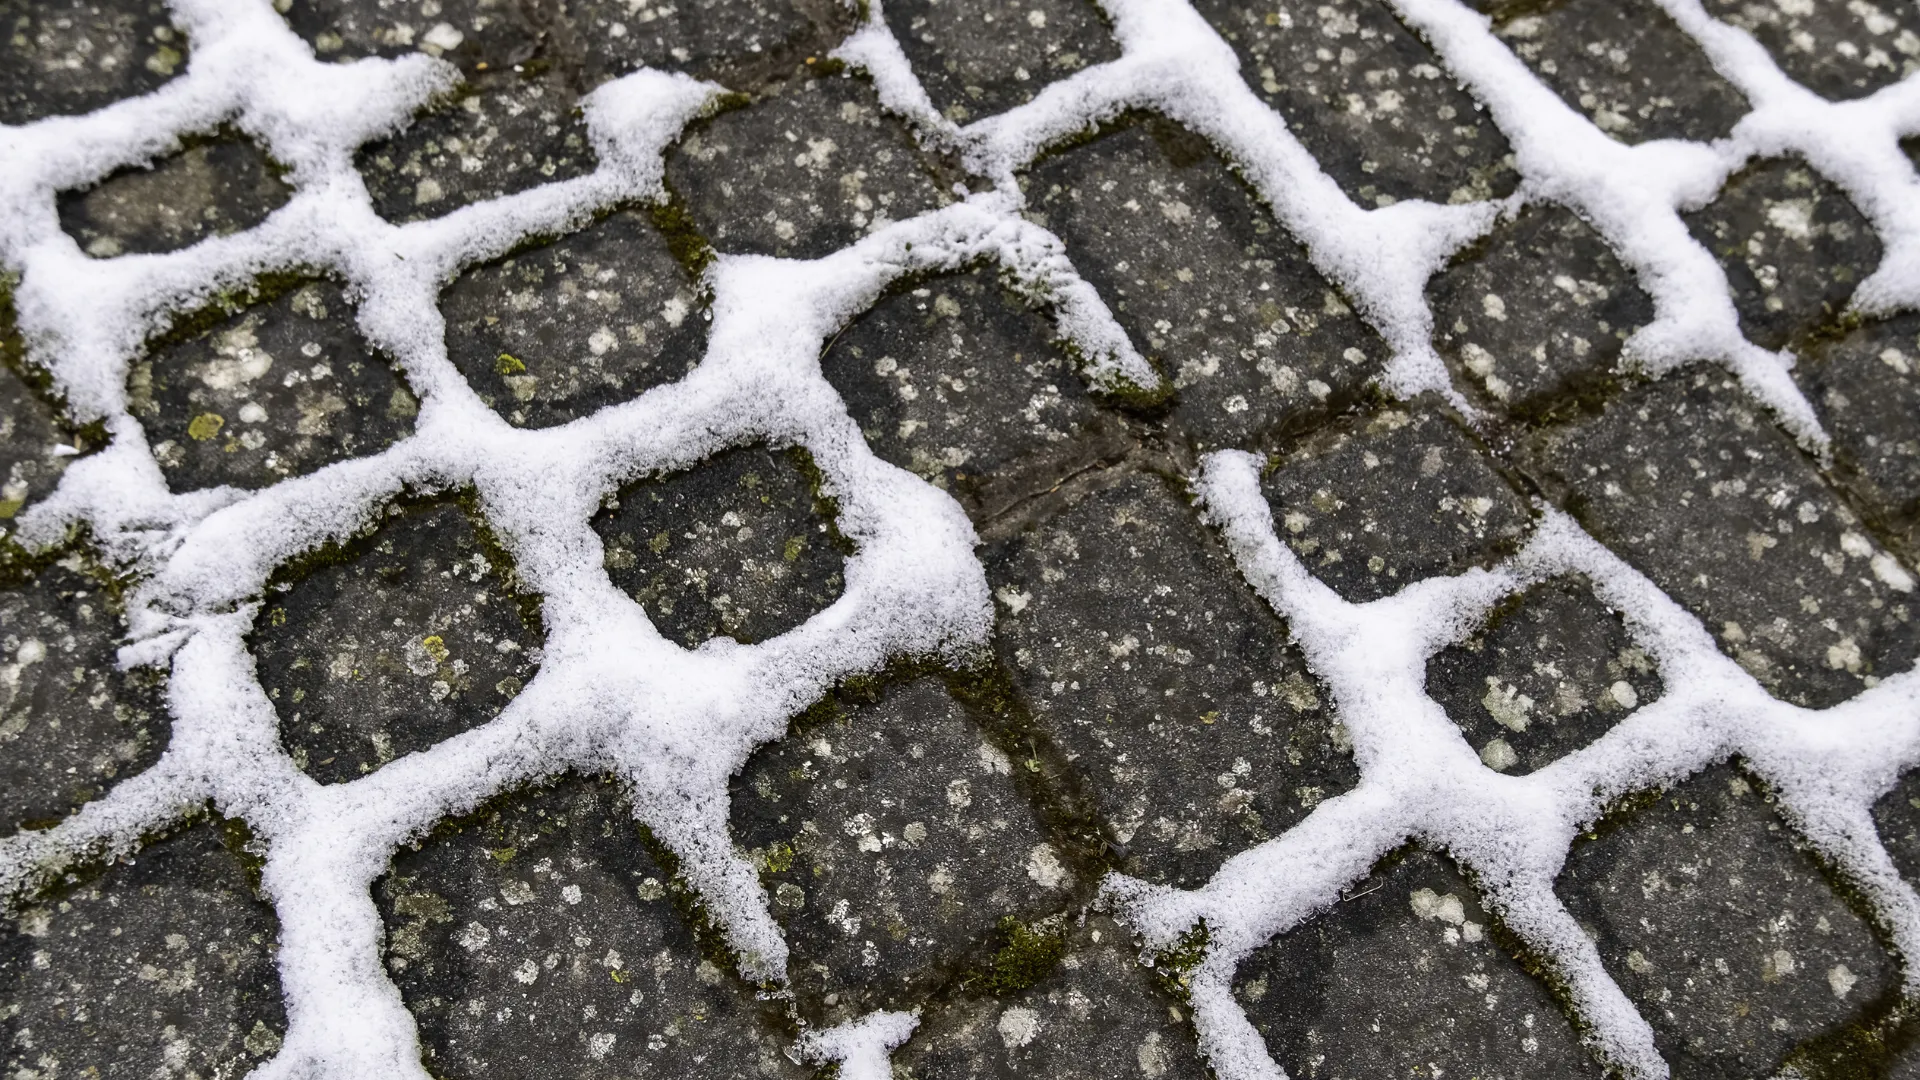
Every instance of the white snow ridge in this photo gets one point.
(613, 695)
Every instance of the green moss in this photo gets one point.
(1030, 953)
(1173, 967)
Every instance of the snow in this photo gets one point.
(613, 695)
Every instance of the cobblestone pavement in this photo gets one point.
(932, 834)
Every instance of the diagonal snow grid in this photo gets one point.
(614, 695)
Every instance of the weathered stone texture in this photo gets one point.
(1406, 976)
(1866, 388)
(1836, 50)
(598, 317)
(61, 57)
(211, 188)
(976, 59)
(275, 390)
(405, 638)
(1721, 929)
(161, 966)
(34, 447)
(540, 940)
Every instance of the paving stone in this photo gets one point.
(741, 44)
(1252, 338)
(70, 721)
(478, 35)
(1535, 316)
(976, 59)
(553, 334)
(958, 381)
(1378, 504)
(274, 390)
(1898, 816)
(63, 57)
(211, 188)
(1156, 671)
(803, 172)
(1550, 671)
(540, 940)
(1866, 388)
(1367, 99)
(1406, 976)
(1096, 1014)
(1625, 64)
(1692, 484)
(506, 131)
(1837, 50)
(402, 639)
(738, 545)
(1792, 246)
(893, 839)
(162, 966)
(34, 445)
(1720, 928)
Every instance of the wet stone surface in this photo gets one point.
(502, 133)
(958, 381)
(598, 317)
(540, 940)
(73, 56)
(71, 723)
(1792, 246)
(738, 546)
(1866, 388)
(209, 189)
(1625, 65)
(1405, 977)
(1536, 313)
(1692, 484)
(161, 966)
(1251, 337)
(893, 839)
(802, 173)
(1391, 499)
(405, 638)
(976, 59)
(1367, 99)
(278, 389)
(1163, 679)
(1552, 670)
(1097, 1013)
(1838, 51)
(1721, 929)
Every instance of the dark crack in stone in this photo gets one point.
(1537, 313)
(893, 839)
(1399, 497)
(1721, 929)
(1163, 679)
(1792, 246)
(410, 636)
(71, 722)
(738, 545)
(211, 188)
(162, 966)
(1252, 338)
(1097, 1014)
(275, 390)
(1367, 99)
(1627, 66)
(803, 173)
(63, 57)
(1404, 977)
(976, 59)
(958, 381)
(1836, 50)
(504, 133)
(1866, 389)
(34, 446)
(738, 43)
(478, 35)
(1692, 484)
(1552, 670)
(540, 941)
(552, 334)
